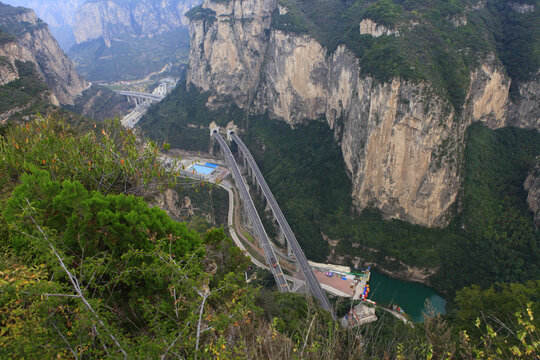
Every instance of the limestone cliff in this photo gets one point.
(109, 18)
(32, 41)
(525, 112)
(58, 14)
(368, 26)
(532, 185)
(402, 141)
(226, 55)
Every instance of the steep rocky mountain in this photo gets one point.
(398, 102)
(128, 40)
(36, 75)
(58, 14)
(28, 39)
(109, 18)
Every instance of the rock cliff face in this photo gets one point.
(532, 185)
(58, 14)
(33, 42)
(402, 144)
(231, 68)
(526, 111)
(108, 18)
(368, 26)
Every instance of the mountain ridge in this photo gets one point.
(33, 42)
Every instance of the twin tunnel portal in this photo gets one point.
(285, 234)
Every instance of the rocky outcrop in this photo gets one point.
(525, 112)
(532, 185)
(401, 142)
(33, 42)
(8, 71)
(228, 48)
(522, 8)
(368, 26)
(100, 103)
(109, 18)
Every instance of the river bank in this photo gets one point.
(410, 296)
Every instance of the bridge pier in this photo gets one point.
(213, 142)
(281, 237)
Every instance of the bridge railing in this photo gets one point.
(285, 228)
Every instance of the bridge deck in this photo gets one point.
(145, 96)
(271, 258)
(314, 285)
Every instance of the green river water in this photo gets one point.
(410, 296)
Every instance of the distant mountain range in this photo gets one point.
(76, 21)
(111, 40)
(58, 14)
(37, 76)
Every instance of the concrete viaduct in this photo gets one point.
(285, 234)
(140, 98)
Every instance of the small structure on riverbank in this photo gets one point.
(361, 314)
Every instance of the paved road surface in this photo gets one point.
(254, 216)
(297, 284)
(314, 285)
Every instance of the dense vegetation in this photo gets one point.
(303, 175)
(90, 271)
(129, 58)
(308, 178)
(6, 38)
(501, 242)
(26, 95)
(100, 103)
(492, 240)
(430, 46)
(517, 37)
(182, 118)
(209, 205)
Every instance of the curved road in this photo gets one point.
(271, 258)
(314, 285)
(297, 283)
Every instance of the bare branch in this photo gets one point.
(75, 284)
(199, 324)
(65, 340)
(307, 336)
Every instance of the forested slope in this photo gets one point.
(89, 270)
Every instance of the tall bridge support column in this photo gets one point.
(289, 250)
(213, 141)
(281, 237)
(245, 167)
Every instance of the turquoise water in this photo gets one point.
(201, 169)
(211, 165)
(410, 296)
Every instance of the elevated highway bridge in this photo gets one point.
(258, 227)
(284, 227)
(138, 96)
